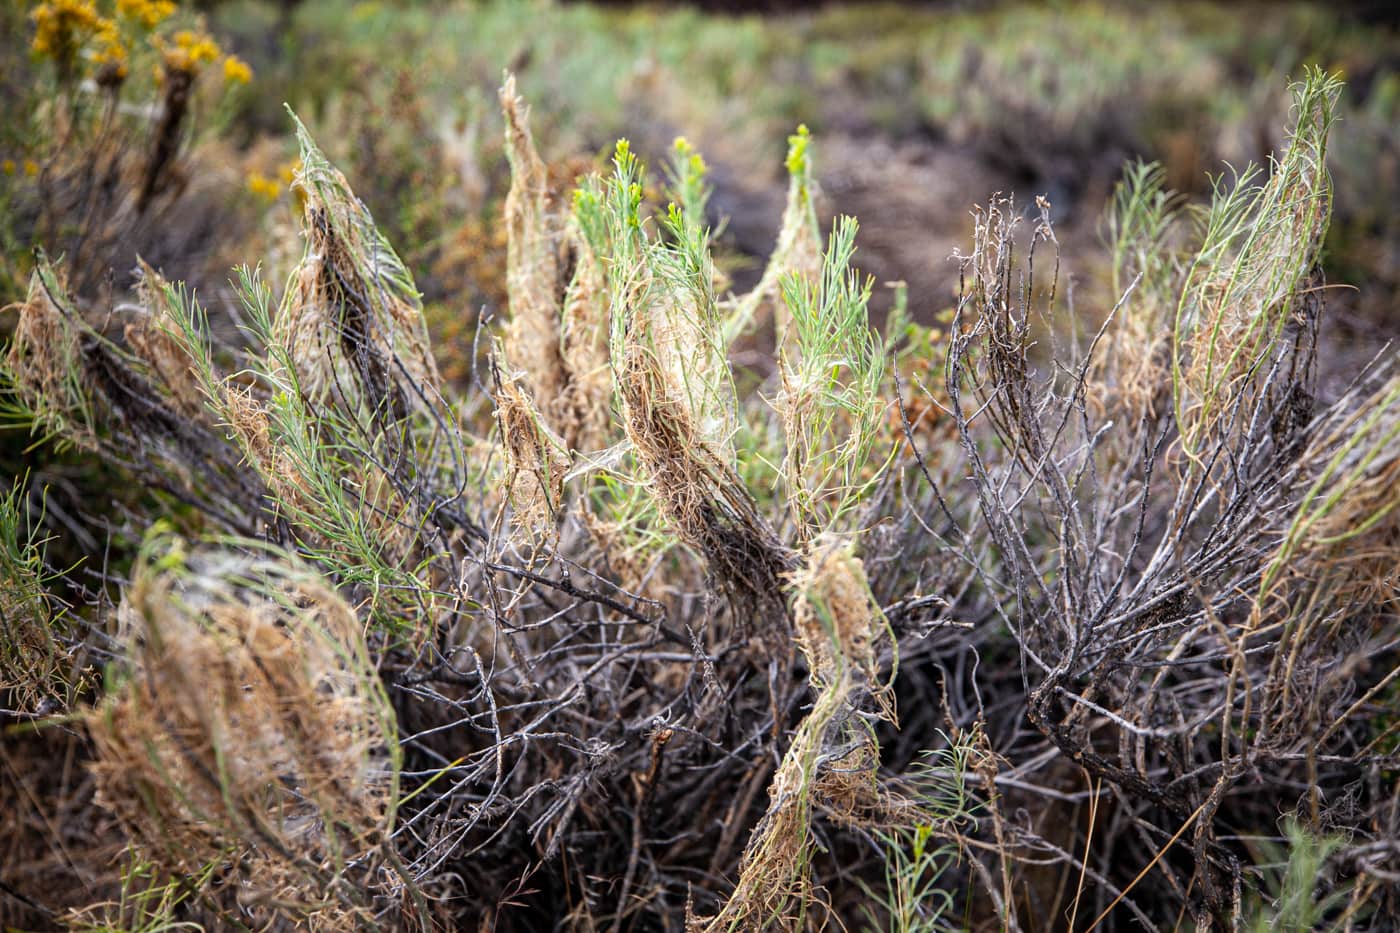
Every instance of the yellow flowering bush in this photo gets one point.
(68, 32)
(62, 28)
(109, 55)
(149, 13)
(155, 65)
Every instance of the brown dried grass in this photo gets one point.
(676, 442)
(348, 307)
(46, 363)
(249, 731)
(832, 762)
(535, 458)
(532, 338)
(585, 407)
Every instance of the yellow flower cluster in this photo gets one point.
(271, 187)
(236, 70)
(191, 50)
(260, 184)
(65, 28)
(111, 54)
(149, 13)
(61, 26)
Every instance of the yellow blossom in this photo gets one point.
(236, 70)
(62, 26)
(111, 54)
(190, 51)
(31, 168)
(149, 13)
(197, 45)
(8, 166)
(260, 184)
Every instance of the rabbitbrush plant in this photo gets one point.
(913, 630)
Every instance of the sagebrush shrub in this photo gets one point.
(628, 636)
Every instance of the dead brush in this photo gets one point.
(830, 766)
(1171, 651)
(536, 459)
(248, 730)
(558, 326)
(586, 404)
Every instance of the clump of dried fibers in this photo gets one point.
(250, 732)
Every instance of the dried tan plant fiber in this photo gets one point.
(586, 403)
(672, 411)
(351, 318)
(1132, 372)
(536, 459)
(46, 363)
(837, 622)
(842, 633)
(1347, 528)
(832, 762)
(248, 419)
(532, 336)
(1334, 573)
(774, 876)
(249, 729)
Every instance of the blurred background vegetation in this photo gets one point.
(922, 110)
